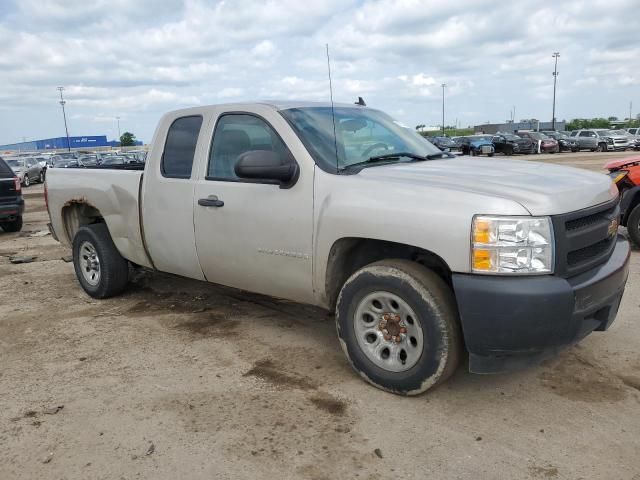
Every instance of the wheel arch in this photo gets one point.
(349, 254)
(630, 199)
(76, 214)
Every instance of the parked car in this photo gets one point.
(509, 144)
(600, 140)
(566, 143)
(626, 175)
(630, 137)
(446, 144)
(541, 142)
(11, 201)
(269, 198)
(60, 162)
(477, 145)
(114, 160)
(27, 169)
(88, 161)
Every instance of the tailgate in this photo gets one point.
(8, 192)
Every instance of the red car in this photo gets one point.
(541, 142)
(626, 175)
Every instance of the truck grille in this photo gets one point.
(584, 239)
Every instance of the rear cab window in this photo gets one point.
(180, 147)
(5, 170)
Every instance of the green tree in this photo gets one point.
(127, 139)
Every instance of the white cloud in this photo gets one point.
(139, 58)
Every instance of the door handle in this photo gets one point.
(211, 201)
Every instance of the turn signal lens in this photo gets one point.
(481, 260)
(481, 231)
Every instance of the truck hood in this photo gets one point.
(543, 189)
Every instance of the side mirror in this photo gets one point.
(267, 165)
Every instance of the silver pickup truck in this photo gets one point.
(423, 256)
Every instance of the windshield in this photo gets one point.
(360, 133)
(511, 137)
(624, 133)
(15, 162)
(537, 135)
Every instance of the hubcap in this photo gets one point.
(89, 263)
(388, 331)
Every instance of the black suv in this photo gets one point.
(11, 202)
(565, 142)
(509, 144)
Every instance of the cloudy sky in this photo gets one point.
(139, 58)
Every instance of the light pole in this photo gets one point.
(443, 86)
(119, 140)
(555, 78)
(64, 115)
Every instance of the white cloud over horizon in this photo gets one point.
(137, 59)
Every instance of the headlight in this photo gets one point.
(512, 245)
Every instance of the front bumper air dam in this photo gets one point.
(511, 323)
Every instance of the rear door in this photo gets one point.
(259, 236)
(167, 194)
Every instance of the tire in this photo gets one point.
(472, 152)
(633, 225)
(100, 269)
(13, 225)
(426, 306)
(601, 147)
(490, 154)
(41, 177)
(26, 182)
(508, 151)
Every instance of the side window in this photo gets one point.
(236, 134)
(585, 134)
(180, 147)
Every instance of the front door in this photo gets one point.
(253, 235)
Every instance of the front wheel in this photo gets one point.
(100, 269)
(26, 181)
(601, 147)
(41, 177)
(633, 225)
(398, 325)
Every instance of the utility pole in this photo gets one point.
(119, 140)
(630, 107)
(555, 78)
(64, 115)
(443, 86)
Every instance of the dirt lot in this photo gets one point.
(179, 379)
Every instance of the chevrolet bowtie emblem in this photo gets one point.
(613, 227)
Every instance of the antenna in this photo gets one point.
(333, 113)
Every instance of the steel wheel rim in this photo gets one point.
(89, 263)
(396, 350)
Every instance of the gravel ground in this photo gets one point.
(180, 379)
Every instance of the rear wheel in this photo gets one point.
(13, 225)
(100, 269)
(398, 325)
(633, 225)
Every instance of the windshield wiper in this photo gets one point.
(386, 157)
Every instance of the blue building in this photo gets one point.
(60, 143)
